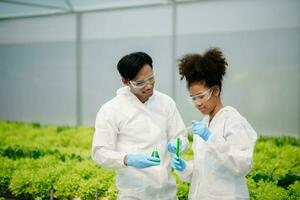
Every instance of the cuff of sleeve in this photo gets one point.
(121, 160)
(217, 143)
(186, 174)
(109, 159)
(184, 143)
(211, 139)
(186, 171)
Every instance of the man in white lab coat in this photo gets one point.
(130, 126)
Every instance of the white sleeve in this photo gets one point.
(187, 173)
(104, 143)
(175, 125)
(235, 149)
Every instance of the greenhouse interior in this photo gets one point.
(58, 68)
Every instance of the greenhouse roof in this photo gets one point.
(10, 9)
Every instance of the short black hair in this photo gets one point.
(208, 68)
(131, 64)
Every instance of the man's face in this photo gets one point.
(143, 83)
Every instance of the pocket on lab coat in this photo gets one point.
(130, 178)
(131, 181)
(220, 185)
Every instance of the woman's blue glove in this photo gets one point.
(201, 130)
(142, 161)
(178, 163)
(172, 146)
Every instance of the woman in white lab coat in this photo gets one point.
(223, 141)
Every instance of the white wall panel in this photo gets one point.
(38, 29)
(37, 70)
(131, 23)
(110, 35)
(261, 40)
(237, 15)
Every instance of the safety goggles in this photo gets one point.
(200, 98)
(143, 83)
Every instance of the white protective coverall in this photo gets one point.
(125, 125)
(221, 163)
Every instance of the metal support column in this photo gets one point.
(78, 69)
(174, 48)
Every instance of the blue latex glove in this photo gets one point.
(201, 130)
(172, 146)
(142, 161)
(178, 163)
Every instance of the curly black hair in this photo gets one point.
(208, 68)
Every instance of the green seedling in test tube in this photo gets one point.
(177, 149)
(177, 146)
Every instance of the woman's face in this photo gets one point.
(203, 97)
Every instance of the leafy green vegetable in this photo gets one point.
(35, 159)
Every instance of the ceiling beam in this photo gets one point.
(34, 5)
(69, 4)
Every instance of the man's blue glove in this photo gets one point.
(142, 161)
(178, 163)
(201, 130)
(172, 146)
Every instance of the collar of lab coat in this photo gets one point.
(126, 91)
(218, 114)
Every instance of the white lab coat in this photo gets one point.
(220, 164)
(124, 125)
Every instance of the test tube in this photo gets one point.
(184, 131)
(177, 146)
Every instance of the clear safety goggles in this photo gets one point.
(143, 83)
(200, 98)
